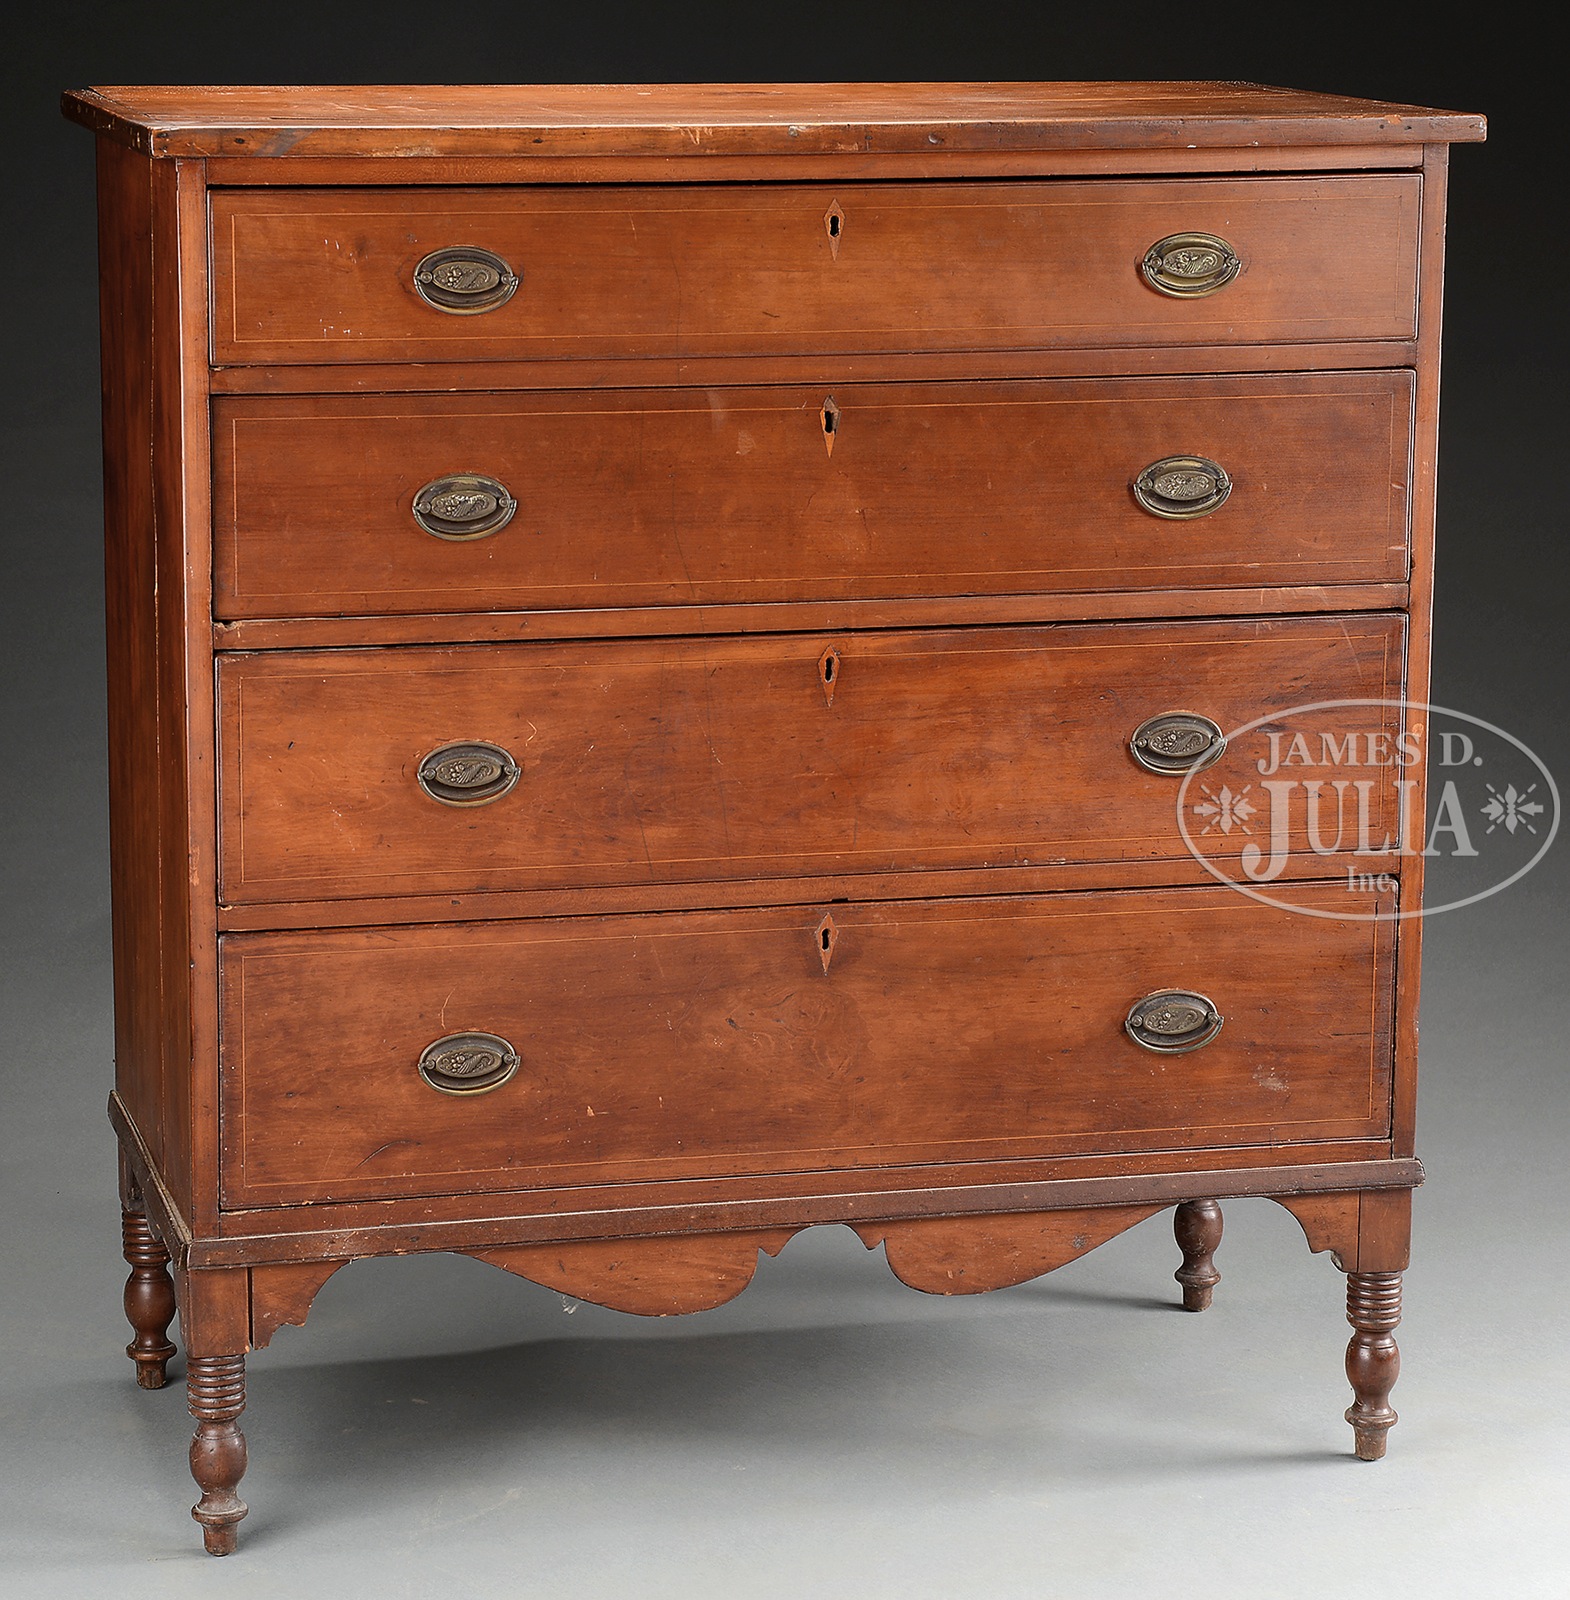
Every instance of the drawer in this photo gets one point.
(722, 1043)
(322, 504)
(652, 761)
(330, 275)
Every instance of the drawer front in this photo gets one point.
(321, 503)
(655, 761)
(721, 1043)
(327, 275)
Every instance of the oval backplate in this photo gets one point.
(1176, 742)
(469, 773)
(1182, 487)
(1188, 265)
(463, 505)
(468, 1063)
(1172, 1021)
(464, 280)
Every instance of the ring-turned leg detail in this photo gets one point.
(1197, 1226)
(1373, 1363)
(149, 1300)
(216, 1388)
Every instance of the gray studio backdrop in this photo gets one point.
(441, 1427)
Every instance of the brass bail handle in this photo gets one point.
(465, 280)
(1177, 742)
(467, 1063)
(1182, 487)
(1189, 265)
(469, 773)
(463, 505)
(1173, 1021)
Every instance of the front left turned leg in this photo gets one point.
(1197, 1226)
(216, 1388)
(149, 1300)
(1373, 1363)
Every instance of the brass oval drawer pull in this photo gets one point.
(464, 280)
(1172, 1021)
(1176, 742)
(1182, 486)
(463, 505)
(1188, 265)
(468, 774)
(468, 1063)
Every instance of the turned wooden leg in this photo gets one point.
(149, 1300)
(1373, 1363)
(216, 1387)
(1197, 1226)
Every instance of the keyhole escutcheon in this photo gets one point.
(834, 226)
(829, 673)
(826, 936)
(830, 417)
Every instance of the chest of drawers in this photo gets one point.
(668, 648)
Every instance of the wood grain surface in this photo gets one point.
(125, 247)
(789, 120)
(712, 1043)
(689, 759)
(323, 276)
(971, 1255)
(647, 1277)
(838, 491)
(889, 366)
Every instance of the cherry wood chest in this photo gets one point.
(687, 662)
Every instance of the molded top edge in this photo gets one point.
(760, 119)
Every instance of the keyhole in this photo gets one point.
(827, 937)
(834, 226)
(830, 415)
(828, 672)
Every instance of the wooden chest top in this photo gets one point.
(717, 119)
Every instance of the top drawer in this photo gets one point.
(329, 275)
